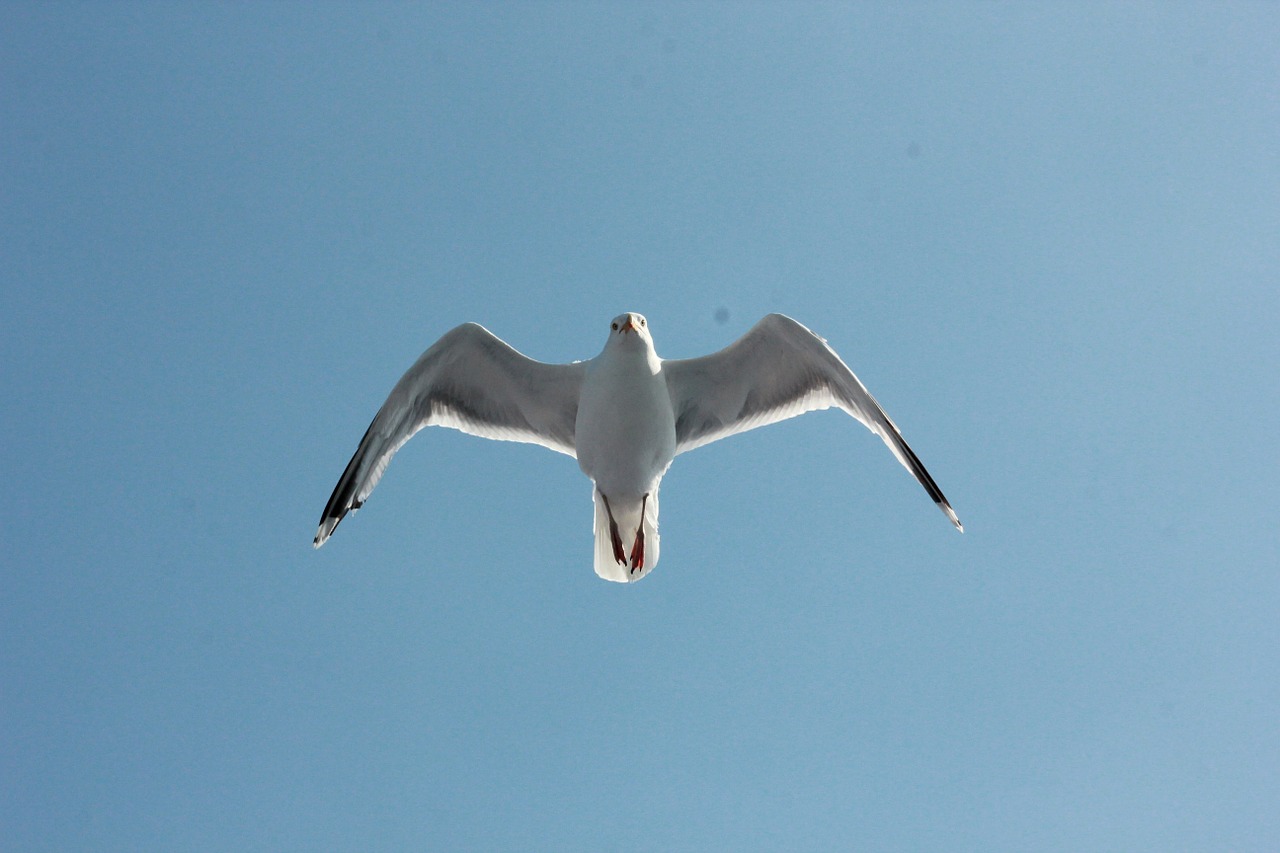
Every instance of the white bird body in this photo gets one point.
(625, 440)
(625, 430)
(624, 415)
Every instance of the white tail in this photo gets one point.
(627, 515)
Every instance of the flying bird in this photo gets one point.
(624, 415)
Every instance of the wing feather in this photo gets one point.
(469, 380)
(777, 370)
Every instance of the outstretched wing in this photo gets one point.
(776, 371)
(471, 381)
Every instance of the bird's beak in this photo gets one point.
(628, 326)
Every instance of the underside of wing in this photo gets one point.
(471, 381)
(777, 370)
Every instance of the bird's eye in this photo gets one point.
(615, 326)
(641, 321)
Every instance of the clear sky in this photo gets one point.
(1047, 237)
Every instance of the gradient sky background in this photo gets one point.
(1047, 237)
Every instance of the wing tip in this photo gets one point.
(323, 533)
(950, 514)
(328, 524)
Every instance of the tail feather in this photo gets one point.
(627, 515)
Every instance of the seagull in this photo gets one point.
(624, 415)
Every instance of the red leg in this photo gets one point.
(637, 552)
(637, 549)
(618, 553)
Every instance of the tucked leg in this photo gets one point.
(637, 549)
(614, 536)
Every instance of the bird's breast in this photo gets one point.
(625, 432)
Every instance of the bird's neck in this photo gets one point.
(636, 359)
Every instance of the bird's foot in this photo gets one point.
(618, 553)
(637, 552)
(637, 548)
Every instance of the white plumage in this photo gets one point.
(624, 415)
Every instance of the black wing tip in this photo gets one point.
(922, 475)
(333, 515)
(344, 498)
(328, 524)
(948, 512)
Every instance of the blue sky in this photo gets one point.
(1044, 235)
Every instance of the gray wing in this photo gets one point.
(776, 371)
(472, 381)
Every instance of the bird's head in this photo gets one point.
(630, 329)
